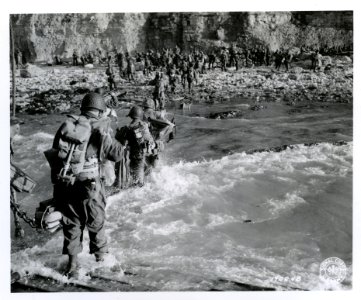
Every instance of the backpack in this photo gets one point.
(74, 138)
(137, 133)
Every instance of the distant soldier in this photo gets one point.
(278, 59)
(184, 70)
(147, 65)
(191, 77)
(232, 56)
(159, 91)
(75, 57)
(224, 58)
(173, 78)
(111, 78)
(211, 60)
(267, 56)
(137, 137)
(287, 60)
(121, 64)
(316, 61)
(130, 69)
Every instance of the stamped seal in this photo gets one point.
(333, 268)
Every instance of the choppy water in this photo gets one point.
(210, 211)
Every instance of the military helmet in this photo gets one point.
(93, 100)
(148, 103)
(135, 112)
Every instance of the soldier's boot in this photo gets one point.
(72, 269)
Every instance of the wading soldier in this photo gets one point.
(79, 147)
(136, 136)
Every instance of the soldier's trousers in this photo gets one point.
(82, 206)
(136, 166)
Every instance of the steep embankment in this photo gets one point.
(41, 36)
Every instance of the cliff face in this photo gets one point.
(42, 36)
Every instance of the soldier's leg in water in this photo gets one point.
(95, 218)
(73, 224)
(136, 166)
(150, 163)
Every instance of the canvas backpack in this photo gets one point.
(73, 142)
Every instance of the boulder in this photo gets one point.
(326, 60)
(344, 59)
(31, 71)
(294, 76)
(89, 66)
(294, 51)
(297, 70)
(313, 86)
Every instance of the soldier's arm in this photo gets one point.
(110, 149)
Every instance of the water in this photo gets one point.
(210, 211)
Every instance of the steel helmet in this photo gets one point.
(148, 103)
(135, 112)
(93, 100)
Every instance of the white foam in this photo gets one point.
(187, 219)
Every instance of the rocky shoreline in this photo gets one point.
(51, 89)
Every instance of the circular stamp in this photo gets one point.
(333, 268)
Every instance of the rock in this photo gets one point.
(294, 76)
(31, 71)
(63, 107)
(89, 66)
(344, 59)
(313, 86)
(297, 70)
(226, 115)
(294, 51)
(326, 60)
(257, 107)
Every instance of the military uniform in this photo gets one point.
(139, 142)
(82, 202)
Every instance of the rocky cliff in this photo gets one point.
(42, 36)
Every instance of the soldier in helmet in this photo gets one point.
(78, 189)
(139, 141)
(160, 127)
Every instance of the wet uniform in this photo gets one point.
(139, 140)
(83, 203)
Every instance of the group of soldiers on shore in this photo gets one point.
(184, 68)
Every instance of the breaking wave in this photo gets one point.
(253, 218)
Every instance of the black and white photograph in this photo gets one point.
(179, 151)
